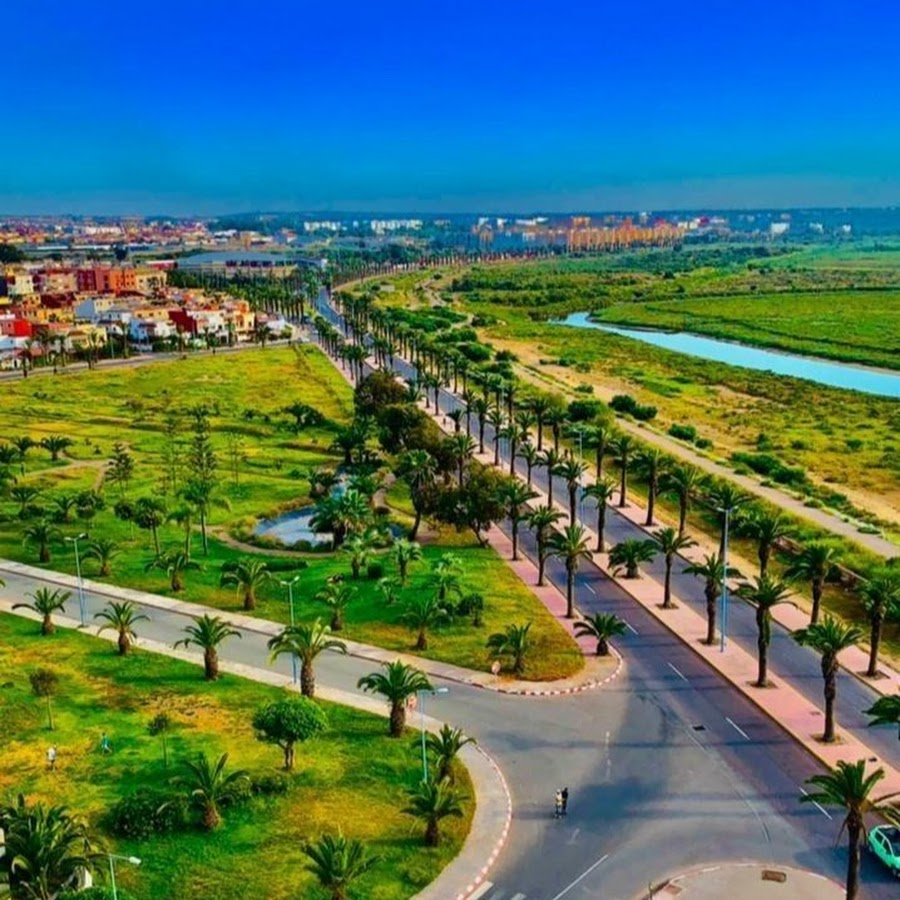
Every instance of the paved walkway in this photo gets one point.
(747, 881)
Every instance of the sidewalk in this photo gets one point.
(747, 881)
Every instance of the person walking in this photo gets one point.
(558, 800)
(51, 758)
(565, 801)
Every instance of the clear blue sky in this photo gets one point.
(230, 105)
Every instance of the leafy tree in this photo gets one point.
(45, 602)
(765, 593)
(712, 571)
(571, 546)
(208, 632)
(881, 600)
(305, 642)
(432, 802)
(44, 683)
(541, 522)
(475, 506)
(208, 786)
(55, 444)
(444, 747)
(149, 514)
(512, 642)
(336, 595)
(406, 552)
(160, 725)
(174, 563)
(42, 534)
(671, 544)
(602, 493)
(397, 683)
(423, 612)
(87, 505)
(629, 554)
(337, 862)
(104, 551)
(289, 722)
(200, 494)
(602, 627)
(121, 616)
(247, 576)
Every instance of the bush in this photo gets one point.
(270, 784)
(147, 812)
(627, 405)
(703, 443)
(375, 570)
(97, 892)
(241, 791)
(583, 410)
(683, 433)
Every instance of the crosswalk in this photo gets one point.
(489, 891)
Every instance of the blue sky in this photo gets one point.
(460, 106)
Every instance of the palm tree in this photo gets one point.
(653, 465)
(23, 444)
(207, 632)
(539, 404)
(623, 447)
(601, 435)
(433, 801)
(881, 599)
(885, 711)
(406, 552)
(602, 627)
(513, 642)
(765, 593)
(629, 554)
(602, 492)
(45, 602)
(481, 408)
(389, 588)
(725, 497)
(200, 494)
(828, 638)
(359, 548)
(121, 617)
(424, 611)
(515, 497)
(445, 747)
(174, 563)
(55, 444)
(571, 546)
(671, 543)
(337, 862)
(766, 527)
(208, 786)
(396, 684)
(246, 576)
(571, 471)
(814, 564)
(43, 534)
(418, 469)
(104, 551)
(305, 642)
(336, 595)
(182, 515)
(63, 506)
(849, 787)
(550, 460)
(461, 447)
(23, 494)
(532, 457)
(712, 571)
(541, 522)
(682, 482)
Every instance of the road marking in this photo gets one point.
(631, 627)
(737, 728)
(572, 839)
(581, 877)
(591, 589)
(481, 890)
(517, 897)
(818, 806)
(679, 674)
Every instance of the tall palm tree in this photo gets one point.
(629, 554)
(481, 407)
(653, 465)
(495, 420)
(397, 683)
(42, 534)
(765, 593)
(200, 494)
(207, 632)
(766, 527)
(104, 551)
(539, 404)
(571, 471)
(336, 595)
(623, 447)
(541, 522)
(512, 642)
(445, 747)
(550, 460)
(174, 563)
(245, 575)
(683, 482)
(208, 786)
(418, 469)
(601, 436)
(556, 417)
(601, 627)
(424, 611)
(515, 497)
(671, 543)
(531, 456)
(849, 787)
(814, 564)
(885, 711)
(45, 602)
(461, 448)
(571, 546)
(337, 862)
(432, 802)
(828, 638)
(602, 492)
(712, 571)
(724, 497)
(405, 552)
(121, 616)
(881, 600)
(305, 642)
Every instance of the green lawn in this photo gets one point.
(353, 777)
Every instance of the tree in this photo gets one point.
(405, 552)
(623, 447)
(571, 471)
(44, 683)
(814, 564)
(550, 460)
(541, 522)
(149, 514)
(432, 802)
(121, 616)
(601, 436)
(881, 600)
(602, 493)
(42, 534)
(174, 563)
(45, 602)
(515, 497)
(287, 723)
(629, 554)
(87, 504)
(725, 497)
(712, 571)
(653, 465)
(55, 444)
(359, 548)
(208, 632)
(602, 627)
(337, 862)
(849, 787)
(305, 642)
(885, 711)
(571, 546)
(120, 470)
(208, 786)
(389, 588)
(160, 725)
(246, 576)
(397, 683)
(200, 494)
(671, 544)
(683, 482)
(63, 506)
(418, 469)
(336, 595)
(828, 638)
(766, 527)
(512, 642)
(104, 551)
(765, 593)
(24, 495)
(424, 611)
(532, 457)
(444, 747)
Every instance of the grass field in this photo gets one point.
(352, 777)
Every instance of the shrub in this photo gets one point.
(683, 433)
(583, 410)
(98, 892)
(375, 570)
(147, 812)
(269, 784)
(703, 443)
(584, 389)
(627, 405)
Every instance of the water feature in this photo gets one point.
(834, 374)
(291, 527)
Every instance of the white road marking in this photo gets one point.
(679, 674)
(631, 627)
(591, 589)
(517, 897)
(572, 839)
(481, 890)
(738, 729)
(581, 877)
(818, 806)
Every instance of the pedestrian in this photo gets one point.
(558, 802)
(51, 758)
(565, 801)
(105, 746)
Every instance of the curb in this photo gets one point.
(575, 689)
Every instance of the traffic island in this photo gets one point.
(746, 881)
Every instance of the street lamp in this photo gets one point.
(727, 511)
(420, 697)
(74, 541)
(289, 584)
(134, 860)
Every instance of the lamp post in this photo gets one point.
(727, 511)
(420, 697)
(289, 584)
(74, 542)
(134, 860)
